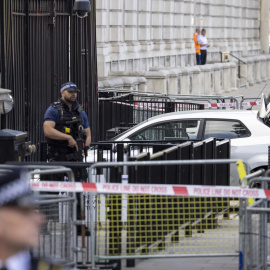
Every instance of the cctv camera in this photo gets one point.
(82, 8)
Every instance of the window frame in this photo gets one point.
(225, 120)
(200, 131)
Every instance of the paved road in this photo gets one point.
(253, 91)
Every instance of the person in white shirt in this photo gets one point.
(19, 223)
(202, 39)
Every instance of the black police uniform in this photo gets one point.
(70, 122)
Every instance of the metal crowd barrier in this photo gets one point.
(255, 236)
(150, 226)
(130, 221)
(58, 234)
(188, 174)
(122, 109)
(128, 110)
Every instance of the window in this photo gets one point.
(225, 129)
(184, 129)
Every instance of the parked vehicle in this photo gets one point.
(250, 136)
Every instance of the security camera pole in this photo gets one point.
(82, 8)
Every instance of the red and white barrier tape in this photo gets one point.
(168, 190)
(141, 105)
(246, 104)
(229, 105)
(159, 106)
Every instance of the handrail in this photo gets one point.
(238, 58)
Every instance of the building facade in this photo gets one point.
(136, 38)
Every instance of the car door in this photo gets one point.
(229, 129)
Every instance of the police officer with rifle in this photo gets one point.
(68, 134)
(66, 127)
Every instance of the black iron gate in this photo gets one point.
(44, 44)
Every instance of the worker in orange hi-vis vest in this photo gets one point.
(197, 46)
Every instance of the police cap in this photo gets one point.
(15, 189)
(69, 86)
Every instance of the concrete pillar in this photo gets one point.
(179, 78)
(113, 83)
(217, 78)
(100, 85)
(185, 82)
(157, 81)
(258, 77)
(196, 82)
(250, 69)
(233, 68)
(226, 78)
(267, 57)
(173, 82)
(243, 74)
(142, 84)
(264, 27)
(131, 83)
(263, 68)
(207, 79)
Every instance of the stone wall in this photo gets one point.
(210, 79)
(137, 35)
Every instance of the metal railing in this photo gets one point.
(126, 108)
(122, 233)
(255, 227)
(239, 64)
(127, 225)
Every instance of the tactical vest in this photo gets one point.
(65, 124)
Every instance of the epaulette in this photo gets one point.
(80, 108)
(56, 104)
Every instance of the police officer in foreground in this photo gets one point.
(19, 224)
(66, 126)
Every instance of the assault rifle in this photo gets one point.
(80, 137)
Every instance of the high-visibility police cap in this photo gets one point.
(69, 86)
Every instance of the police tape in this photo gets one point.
(160, 106)
(230, 105)
(147, 189)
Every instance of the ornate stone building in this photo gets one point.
(150, 42)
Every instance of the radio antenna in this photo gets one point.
(257, 97)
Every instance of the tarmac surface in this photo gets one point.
(202, 263)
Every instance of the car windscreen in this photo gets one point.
(125, 132)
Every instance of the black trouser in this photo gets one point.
(198, 59)
(203, 56)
